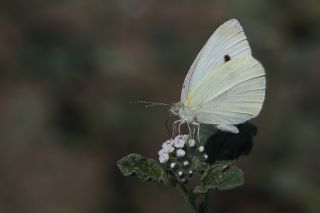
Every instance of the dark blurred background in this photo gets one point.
(69, 70)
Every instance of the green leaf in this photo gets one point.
(222, 175)
(144, 169)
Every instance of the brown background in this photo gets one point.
(69, 70)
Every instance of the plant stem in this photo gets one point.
(189, 197)
(203, 207)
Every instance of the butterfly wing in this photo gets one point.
(232, 94)
(228, 40)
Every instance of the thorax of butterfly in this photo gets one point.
(184, 112)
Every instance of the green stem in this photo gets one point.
(189, 197)
(206, 202)
(203, 207)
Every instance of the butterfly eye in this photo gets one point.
(227, 58)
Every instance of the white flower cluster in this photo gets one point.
(182, 156)
(170, 146)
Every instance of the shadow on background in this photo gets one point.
(69, 70)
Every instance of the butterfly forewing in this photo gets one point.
(228, 41)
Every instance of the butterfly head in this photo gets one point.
(174, 109)
(183, 112)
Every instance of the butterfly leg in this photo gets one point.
(198, 129)
(193, 133)
(182, 121)
(174, 126)
(190, 134)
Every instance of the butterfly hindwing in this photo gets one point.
(232, 94)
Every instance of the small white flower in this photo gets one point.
(185, 137)
(166, 150)
(180, 173)
(186, 163)
(205, 156)
(172, 165)
(180, 153)
(201, 148)
(169, 149)
(179, 142)
(167, 143)
(163, 158)
(167, 146)
(161, 152)
(191, 142)
(179, 136)
(190, 172)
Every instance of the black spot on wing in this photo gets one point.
(227, 58)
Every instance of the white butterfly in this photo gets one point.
(225, 85)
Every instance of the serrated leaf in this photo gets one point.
(222, 176)
(144, 169)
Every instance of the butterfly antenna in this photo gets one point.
(151, 103)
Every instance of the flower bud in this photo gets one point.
(191, 142)
(180, 153)
(172, 165)
(163, 158)
(179, 141)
